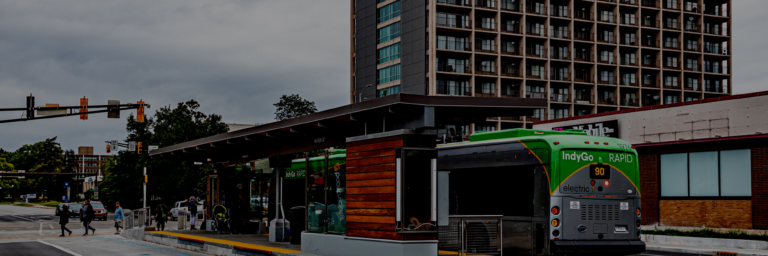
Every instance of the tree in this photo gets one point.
(293, 106)
(170, 180)
(9, 186)
(44, 157)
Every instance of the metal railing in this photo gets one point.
(583, 35)
(582, 77)
(535, 9)
(137, 218)
(485, 25)
(583, 56)
(470, 235)
(452, 22)
(560, 55)
(485, 4)
(511, 50)
(511, 28)
(508, 70)
(648, 3)
(583, 15)
(455, 2)
(509, 5)
(650, 23)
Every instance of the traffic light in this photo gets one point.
(140, 112)
(139, 148)
(83, 108)
(108, 149)
(30, 106)
(145, 178)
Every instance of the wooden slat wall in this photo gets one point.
(371, 187)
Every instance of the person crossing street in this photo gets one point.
(64, 219)
(86, 216)
(118, 218)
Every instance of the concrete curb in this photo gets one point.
(703, 242)
(697, 251)
(173, 241)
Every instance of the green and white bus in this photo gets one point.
(558, 191)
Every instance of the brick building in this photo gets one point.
(89, 165)
(703, 163)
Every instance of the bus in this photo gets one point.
(559, 192)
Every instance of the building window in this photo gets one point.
(670, 81)
(451, 87)
(389, 32)
(487, 128)
(389, 12)
(487, 88)
(389, 74)
(725, 173)
(557, 113)
(389, 91)
(453, 43)
(389, 53)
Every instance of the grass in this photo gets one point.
(50, 204)
(709, 233)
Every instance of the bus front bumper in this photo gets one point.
(597, 246)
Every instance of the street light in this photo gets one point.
(360, 98)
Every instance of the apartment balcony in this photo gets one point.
(649, 102)
(560, 55)
(674, 25)
(485, 47)
(516, 29)
(488, 4)
(629, 102)
(715, 12)
(606, 80)
(651, 23)
(628, 21)
(672, 86)
(535, 52)
(694, 68)
(628, 82)
(559, 11)
(651, 83)
(671, 5)
(672, 65)
(481, 69)
(452, 22)
(453, 45)
(510, 93)
(516, 51)
(715, 31)
(509, 5)
(691, 7)
(603, 38)
(535, 9)
(510, 71)
(692, 46)
(511, 118)
(628, 61)
(453, 68)
(671, 45)
(455, 2)
(556, 97)
(628, 41)
(606, 60)
(716, 50)
(716, 70)
(535, 31)
(609, 18)
(583, 15)
(583, 98)
(536, 74)
(584, 36)
(629, 2)
(560, 34)
(479, 94)
(715, 89)
(485, 25)
(601, 99)
(560, 76)
(535, 95)
(650, 43)
(582, 77)
(691, 28)
(649, 3)
(649, 63)
(583, 56)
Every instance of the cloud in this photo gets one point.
(235, 57)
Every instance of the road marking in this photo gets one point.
(60, 248)
(41, 228)
(51, 226)
(20, 217)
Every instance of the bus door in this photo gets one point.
(540, 220)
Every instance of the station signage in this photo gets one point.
(605, 128)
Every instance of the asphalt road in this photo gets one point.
(35, 231)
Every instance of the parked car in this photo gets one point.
(99, 211)
(74, 210)
(182, 206)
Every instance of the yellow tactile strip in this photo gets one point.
(227, 242)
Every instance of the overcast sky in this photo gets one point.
(235, 57)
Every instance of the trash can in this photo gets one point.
(276, 229)
(181, 224)
(297, 223)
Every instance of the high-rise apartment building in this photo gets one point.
(585, 56)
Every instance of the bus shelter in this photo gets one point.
(351, 202)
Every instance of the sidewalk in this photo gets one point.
(704, 246)
(703, 251)
(205, 241)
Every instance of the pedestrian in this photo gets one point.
(193, 211)
(161, 216)
(118, 218)
(86, 216)
(64, 219)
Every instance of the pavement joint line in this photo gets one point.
(148, 246)
(21, 218)
(228, 242)
(60, 248)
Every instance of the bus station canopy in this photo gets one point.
(331, 127)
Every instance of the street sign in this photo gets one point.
(21, 177)
(153, 147)
(198, 163)
(131, 146)
(51, 112)
(113, 145)
(66, 184)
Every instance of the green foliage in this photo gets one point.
(709, 233)
(43, 157)
(293, 106)
(9, 186)
(169, 179)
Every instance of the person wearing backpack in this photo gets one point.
(192, 206)
(161, 216)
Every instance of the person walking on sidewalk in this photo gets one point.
(64, 219)
(161, 216)
(86, 216)
(193, 212)
(118, 218)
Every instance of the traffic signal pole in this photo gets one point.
(84, 110)
(145, 187)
